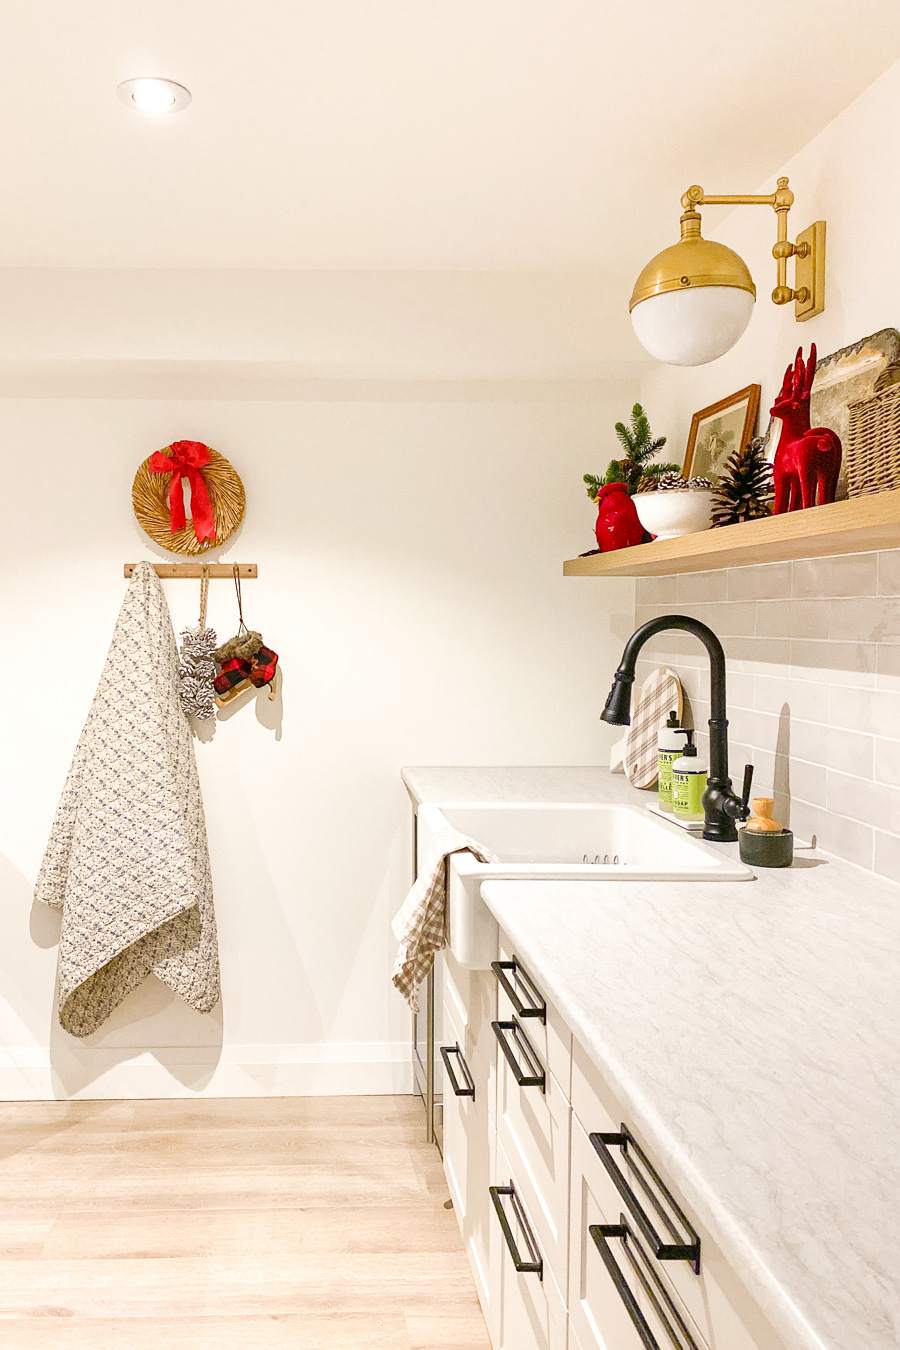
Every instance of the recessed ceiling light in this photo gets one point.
(151, 95)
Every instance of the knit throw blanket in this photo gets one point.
(127, 861)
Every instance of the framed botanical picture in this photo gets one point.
(719, 430)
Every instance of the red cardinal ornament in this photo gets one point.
(617, 519)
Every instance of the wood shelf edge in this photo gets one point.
(860, 525)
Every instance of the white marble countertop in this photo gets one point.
(752, 1032)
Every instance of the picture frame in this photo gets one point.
(718, 431)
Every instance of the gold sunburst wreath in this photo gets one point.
(150, 499)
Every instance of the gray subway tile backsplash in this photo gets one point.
(813, 652)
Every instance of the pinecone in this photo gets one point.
(671, 482)
(745, 489)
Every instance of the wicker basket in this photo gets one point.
(872, 452)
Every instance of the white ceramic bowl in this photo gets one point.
(670, 514)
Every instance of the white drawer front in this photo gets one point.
(549, 1034)
(472, 998)
(527, 1310)
(599, 1313)
(717, 1306)
(467, 1147)
(533, 1126)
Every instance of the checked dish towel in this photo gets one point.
(127, 861)
(421, 923)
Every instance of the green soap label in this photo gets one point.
(665, 760)
(687, 794)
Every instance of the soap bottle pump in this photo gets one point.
(669, 747)
(689, 775)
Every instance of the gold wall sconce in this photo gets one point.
(693, 301)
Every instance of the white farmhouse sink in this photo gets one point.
(557, 842)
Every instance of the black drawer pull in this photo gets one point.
(681, 1242)
(533, 1074)
(469, 1089)
(535, 1266)
(673, 1323)
(535, 1007)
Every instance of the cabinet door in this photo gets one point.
(467, 1144)
(527, 1310)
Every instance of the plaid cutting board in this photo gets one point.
(661, 692)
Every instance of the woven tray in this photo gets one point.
(872, 452)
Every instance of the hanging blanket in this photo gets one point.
(127, 861)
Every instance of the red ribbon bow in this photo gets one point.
(185, 459)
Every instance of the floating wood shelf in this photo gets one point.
(855, 526)
(195, 570)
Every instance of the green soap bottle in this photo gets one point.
(689, 783)
(669, 747)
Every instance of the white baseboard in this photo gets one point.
(115, 1072)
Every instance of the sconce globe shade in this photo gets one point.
(693, 301)
(692, 326)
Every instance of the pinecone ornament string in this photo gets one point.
(196, 665)
(745, 490)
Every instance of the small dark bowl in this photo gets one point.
(766, 848)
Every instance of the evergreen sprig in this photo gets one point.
(639, 445)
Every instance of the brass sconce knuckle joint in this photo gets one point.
(692, 198)
(802, 296)
(783, 295)
(783, 248)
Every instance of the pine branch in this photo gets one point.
(625, 439)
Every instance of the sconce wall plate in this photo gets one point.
(809, 272)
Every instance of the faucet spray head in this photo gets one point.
(618, 706)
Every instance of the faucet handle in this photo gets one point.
(748, 779)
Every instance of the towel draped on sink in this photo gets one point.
(127, 861)
(421, 923)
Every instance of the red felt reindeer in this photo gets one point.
(808, 460)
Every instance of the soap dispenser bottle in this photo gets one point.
(669, 747)
(689, 775)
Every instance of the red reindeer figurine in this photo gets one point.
(808, 460)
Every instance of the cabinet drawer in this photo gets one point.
(617, 1295)
(519, 996)
(533, 1127)
(527, 1310)
(467, 1148)
(714, 1303)
(471, 994)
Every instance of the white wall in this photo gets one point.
(410, 575)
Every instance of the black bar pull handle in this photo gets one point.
(533, 1074)
(458, 1090)
(674, 1325)
(681, 1242)
(536, 1006)
(534, 1265)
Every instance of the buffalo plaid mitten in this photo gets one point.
(232, 673)
(263, 663)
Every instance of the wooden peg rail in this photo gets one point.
(194, 571)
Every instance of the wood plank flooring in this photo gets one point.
(313, 1223)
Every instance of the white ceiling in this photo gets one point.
(406, 133)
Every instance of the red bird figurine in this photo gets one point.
(808, 460)
(617, 519)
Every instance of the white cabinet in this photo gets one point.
(468, 1089)
(528, 1312)
(576, 1243)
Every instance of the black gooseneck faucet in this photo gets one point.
(721, 805)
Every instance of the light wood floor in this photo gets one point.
(311, 1223)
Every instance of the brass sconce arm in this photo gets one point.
(808, 251)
